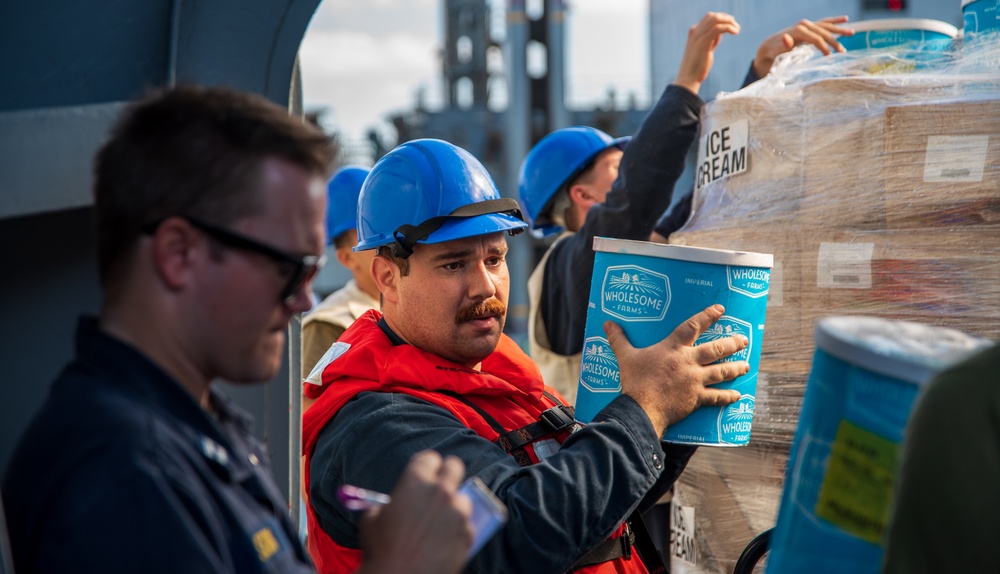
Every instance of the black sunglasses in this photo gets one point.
(298, 269)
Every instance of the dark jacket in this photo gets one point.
(123, 471)
(675, 217)
(652, 162)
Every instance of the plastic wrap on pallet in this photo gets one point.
(727, 497)
(874, 179)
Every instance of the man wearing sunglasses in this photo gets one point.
(210, 208)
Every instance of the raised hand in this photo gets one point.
(821, 34)
(699, 53)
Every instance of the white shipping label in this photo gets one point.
(722, 152)
(844, 266)
(955, 158)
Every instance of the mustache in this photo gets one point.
(481, 309)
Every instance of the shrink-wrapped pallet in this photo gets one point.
(728, 497)
(877, 194)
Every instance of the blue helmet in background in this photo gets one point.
(430, 191)
(342, 200)
(553, 162)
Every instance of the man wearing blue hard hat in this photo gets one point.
(584, 183)
(433, 369)
(322, 326)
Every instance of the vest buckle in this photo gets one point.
(557, 418)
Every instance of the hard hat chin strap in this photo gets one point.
(407, 236)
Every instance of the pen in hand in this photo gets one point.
(356, 498)
(488, 512)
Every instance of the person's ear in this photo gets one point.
(344, 257)
(176, 252)
(386, 274)
(580, 195)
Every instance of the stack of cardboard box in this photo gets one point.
(877, 195)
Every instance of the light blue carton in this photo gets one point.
(865, 375)
(980, 16)
(917, 33)
(649, 289)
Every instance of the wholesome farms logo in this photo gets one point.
(750, 281)
(599, 366)
(735, 421)
(884, 38)
(728, 326)
(632, 293)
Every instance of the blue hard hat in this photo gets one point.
(553, 162)
(430, 191)
(342, 200)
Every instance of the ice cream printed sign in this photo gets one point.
(649, 289)
(722, 152)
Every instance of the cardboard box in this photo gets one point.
(941, 167)
(750, 155)
(843, 136)
(948, 278)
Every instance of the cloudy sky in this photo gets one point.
(363, 60)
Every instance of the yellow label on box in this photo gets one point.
(857, 488)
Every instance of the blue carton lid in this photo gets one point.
(904, 350)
